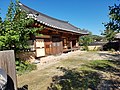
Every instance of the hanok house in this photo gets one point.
(57, 37)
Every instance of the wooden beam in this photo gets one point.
(43, 36)
(63, 31)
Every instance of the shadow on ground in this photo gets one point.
(113, 57)
(73, 80)
(111, 79)
(104, 75)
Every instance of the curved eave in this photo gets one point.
(55, 27)
(50, 21)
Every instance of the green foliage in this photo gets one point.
(113, 26)
(100, 64)
(103, 65)
(16, 29)
(24, 67)
(112, 50)
(85, 41)
(97, 38)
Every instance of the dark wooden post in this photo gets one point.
(7, 63)
(61, 45)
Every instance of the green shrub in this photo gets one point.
(112, 50)
(24, 67)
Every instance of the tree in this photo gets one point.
(85, 41)
(1, 33)
(97, 38)
(113, 26)
(7, 36)
(16, 29)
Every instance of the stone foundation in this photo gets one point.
(26, 56)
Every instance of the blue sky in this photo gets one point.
(87, 14)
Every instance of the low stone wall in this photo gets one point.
(95, 48)
(92, 48)
(26, 56)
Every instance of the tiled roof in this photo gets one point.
(50, 21)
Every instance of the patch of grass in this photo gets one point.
(84, 68)
(73, 62)
(103, 65)
(100, 64)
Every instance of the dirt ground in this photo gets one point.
(42, 77)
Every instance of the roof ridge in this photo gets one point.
(42, 13)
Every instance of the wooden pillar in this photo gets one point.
(61, 44)
(51, 46)
(7, 63)
(71, 45)
(77, 43)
